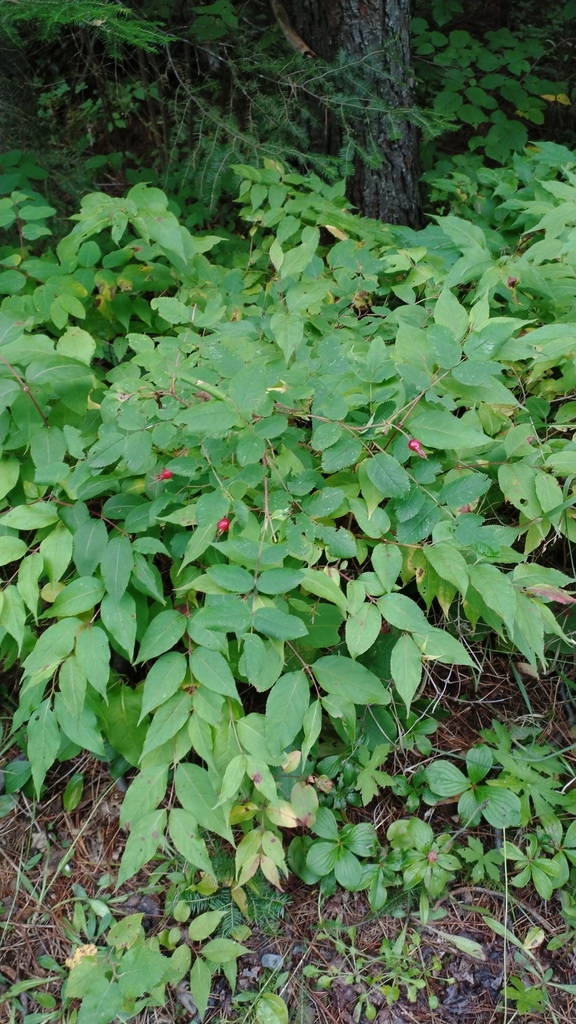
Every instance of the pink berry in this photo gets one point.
(415, 446)
(223, 525)
(165, 474)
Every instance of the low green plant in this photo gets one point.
(491, 86)
(255, 489)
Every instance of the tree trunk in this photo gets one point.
(360, 28)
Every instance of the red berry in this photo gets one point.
(165, 474)
(415, 446)
(223, 525)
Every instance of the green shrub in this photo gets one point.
(254, 486)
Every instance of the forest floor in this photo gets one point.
(329, 974)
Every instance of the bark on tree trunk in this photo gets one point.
(381, 27)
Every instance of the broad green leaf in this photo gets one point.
(81, 728)
(52, 647)
(119, 618)
(90, 540)
(279, 581)
(116, 564)
(406, 668)
(288, 332)
(43, 742)
(29, 573)
(162, 635)
(56, 552)
(388, 475)
(141, 969)
(449, 563)
(403, 613)
(203, 925)
(362, 629)
(80, 596)
(143, 794)
(183, 831)
(440, 645)
(200, 984)
(168, 719)
(286, 706)
(143, 841)
(221, 951)
(212, 670)
(349, 679)
(277, 624)
(387, 563)
(121, 721)
(93, 656)
(321, 585)
(12, 549)
(72, 683)
(496, 591)
(13, 619)
(232, 578)
(197, 795)
(271, 1009)
(163, 680)
(31, 517)
(442, 430)
(449, 313)
(445, 779)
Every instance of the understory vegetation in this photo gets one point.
(281, 487)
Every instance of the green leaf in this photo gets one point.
(209, 419)
(90, 540)
(200, 984)
(211, 670)
(162, 634)
(72, 686)
(43, 742)
(388, 476)
(141, 969)
(12, 549)
(73, 793)
(119, 618)
(122, 726)
(445, 779)
(52, 647)
(279, 581)
(231, 578)
(449, 313)
(278, 625)
(496, 591)
(31, 517)
(403, 613)
(27, 586)
(362, 629)
(203, 925)
(288, 332)
(117, 563)
(183, 831)
(221, 951)
(271, 1009)
(163, 680)
(442, 430)
(197, 795)
(347, 678)
(80, 596)
(143, 841)
(169, 718)
(406, 668)
(285, 709)
(93, 657)
(387, 563)
(448, 562)
(320, 584)
(143, 794)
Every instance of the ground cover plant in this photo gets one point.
(257, 489)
